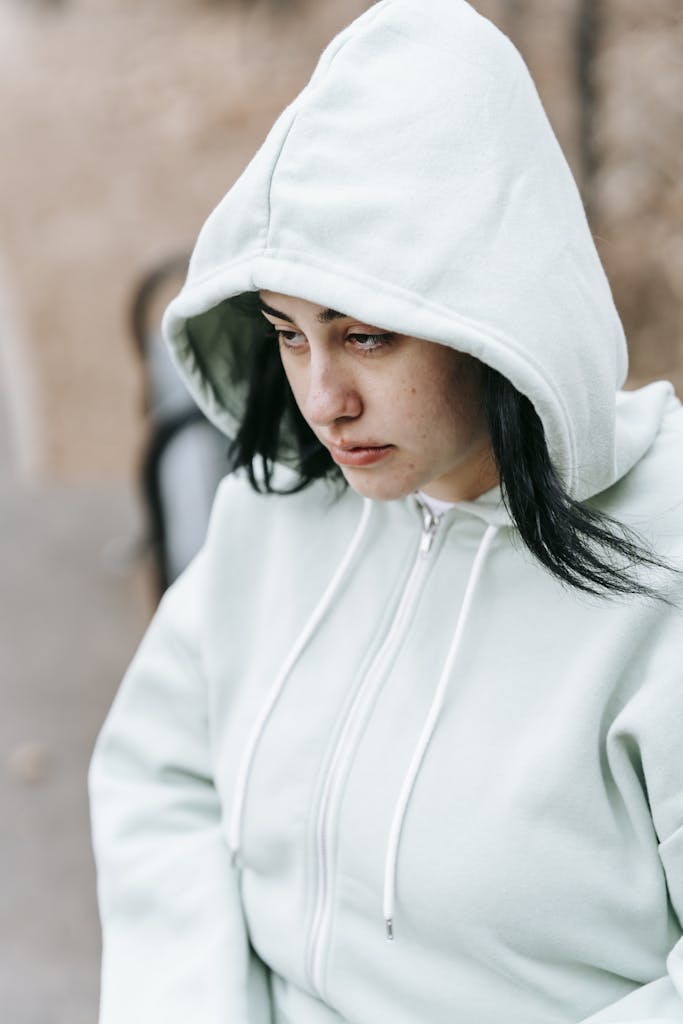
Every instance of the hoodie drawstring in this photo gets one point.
(426, 735)
(235, 828)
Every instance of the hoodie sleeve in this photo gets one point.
(659, 1002)
(644, 750)
(175, 944)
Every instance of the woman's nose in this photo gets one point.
(332, 393)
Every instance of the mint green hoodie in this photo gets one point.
(366, 767)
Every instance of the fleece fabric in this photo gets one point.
(364, 769)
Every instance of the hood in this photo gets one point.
(416, 184)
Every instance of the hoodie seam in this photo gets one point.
(344, 39)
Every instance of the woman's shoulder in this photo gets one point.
(239, 505)
(654, 484)
(247, 524)
(667, 447)
(649, 498)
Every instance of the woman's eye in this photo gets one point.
(289, 338)
(370, 341)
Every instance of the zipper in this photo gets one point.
(347, 741)
(430, 524)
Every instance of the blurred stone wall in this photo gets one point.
(639, 185)
(635, 191)
(121, 125)
(122, 122)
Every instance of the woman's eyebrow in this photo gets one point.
(325, 317)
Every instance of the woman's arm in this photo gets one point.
(659, 1002)
(645, 750)
(175, 946)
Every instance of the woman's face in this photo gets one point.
(397, 413)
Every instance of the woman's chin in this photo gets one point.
(376, 485)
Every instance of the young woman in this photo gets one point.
(403, 744)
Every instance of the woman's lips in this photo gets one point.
(359, 455)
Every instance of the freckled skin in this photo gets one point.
(421, 398)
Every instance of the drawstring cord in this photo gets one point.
(426, 736)
(235, 829)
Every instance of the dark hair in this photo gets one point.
(578, 544)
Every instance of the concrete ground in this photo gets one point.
(73, 604)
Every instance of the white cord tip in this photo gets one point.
(390, 929)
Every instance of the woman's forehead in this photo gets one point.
(286, 306)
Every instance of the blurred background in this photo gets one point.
(122, 123)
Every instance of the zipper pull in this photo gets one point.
(429, 526)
